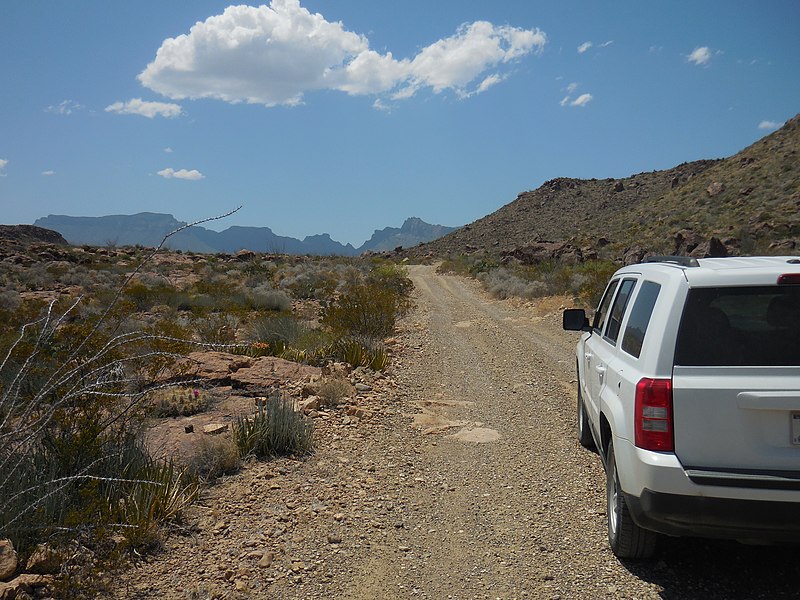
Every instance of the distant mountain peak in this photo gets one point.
(414, 231)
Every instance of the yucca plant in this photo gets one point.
(361, 352)
(276, 429)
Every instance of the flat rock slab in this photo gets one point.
(477, 435)
(243, 371)
(432, 423)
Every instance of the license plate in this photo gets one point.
(796, 428)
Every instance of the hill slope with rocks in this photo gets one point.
(747, 203)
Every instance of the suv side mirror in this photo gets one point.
(574, 319)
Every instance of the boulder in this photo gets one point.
(715, 189)
(215, 366)
(270, 371)
(541, 251)
(245, 255)
(712, 248)
(43, 561)
(8, 559)
(633, 255)
(215, 428)
(783, 245)
(24, 586)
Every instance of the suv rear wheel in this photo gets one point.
(626, 538)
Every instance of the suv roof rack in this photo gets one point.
(683, 261)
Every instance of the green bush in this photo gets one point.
(277, 428)
(369, 310)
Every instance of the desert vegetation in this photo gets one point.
(93, 344)
(583, 282)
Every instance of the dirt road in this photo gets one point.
(523, 515)
(467, 483)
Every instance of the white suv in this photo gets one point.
(689, 387)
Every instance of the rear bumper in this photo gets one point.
(728, 518)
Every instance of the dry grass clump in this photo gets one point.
(213, 457)
(333, 391)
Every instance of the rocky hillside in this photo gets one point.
(24, 235)
(747, 203)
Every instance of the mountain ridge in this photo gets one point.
(149, 229)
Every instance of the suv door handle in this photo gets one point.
(600, 369)
(588, 355)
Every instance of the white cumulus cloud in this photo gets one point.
(273, 55)
(584, 47)
(137, 106)
(769, 125)
(700, 55)
(3, 163)
(168, 173)
(168, 150)
(48, 173)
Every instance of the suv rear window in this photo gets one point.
(746, 326)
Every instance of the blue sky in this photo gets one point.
(346, 116)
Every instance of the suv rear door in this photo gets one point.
(736, 386)
(600, 347)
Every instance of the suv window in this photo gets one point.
(602, 310)
(752, 326)
(618, 310)
(640, 318)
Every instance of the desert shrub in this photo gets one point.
(361, 352)
(309, 281)
(36, 277)
(364, 310)
(593, 276)
(217, 328)
(391, 276)
(468, 264)
(10, 300)
(264, 297)
(277, 428)
(144, 296)
(213, 457)
(333, 391)
(277, 331)
(504, 284)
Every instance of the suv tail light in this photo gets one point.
(789, 279)
(653, 415)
